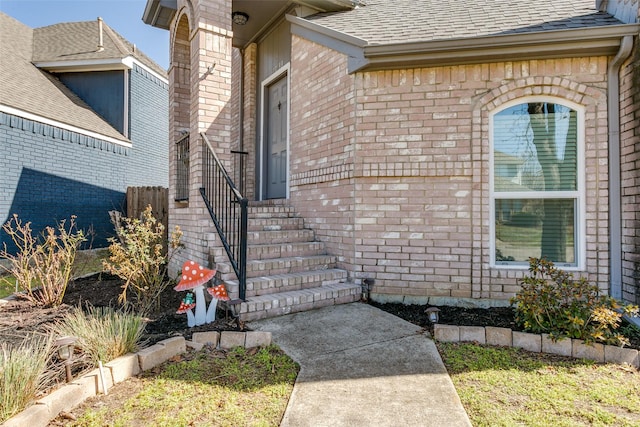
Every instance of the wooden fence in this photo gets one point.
(138, 198)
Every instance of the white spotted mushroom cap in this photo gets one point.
(193, 275)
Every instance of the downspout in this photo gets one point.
(615, 200)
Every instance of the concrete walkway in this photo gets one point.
(361, 366)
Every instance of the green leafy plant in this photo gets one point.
(22, 373)
(103, 333)
(552, 301)
(138, 256)
(42, 266)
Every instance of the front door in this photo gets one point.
(276, 140)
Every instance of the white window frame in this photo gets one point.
(579, 193)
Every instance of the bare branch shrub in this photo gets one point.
(137, 256)
(42, 267)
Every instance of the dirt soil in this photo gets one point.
(19, 318)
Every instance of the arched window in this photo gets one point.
(537, 166)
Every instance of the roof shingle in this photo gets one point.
(382, 22)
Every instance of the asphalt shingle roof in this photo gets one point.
(381, 22)
(27, 88)
(73, 41)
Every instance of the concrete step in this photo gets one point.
(281, 303)
(269, 267)
(279, 236)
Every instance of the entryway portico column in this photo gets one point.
(211, 51)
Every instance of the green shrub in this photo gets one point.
(552, 301)
(103, 333)
(42, 267)
(22, 373)
(138, 257)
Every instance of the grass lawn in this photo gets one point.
(204, 388)
(508, 387)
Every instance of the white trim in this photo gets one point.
(580, 214)
(109, 64)
(130, 60)
(125, 107)
(283, 71)
(46, 121)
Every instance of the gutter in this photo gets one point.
(615, 200)
(601, 41)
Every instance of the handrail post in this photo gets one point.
(242, 280)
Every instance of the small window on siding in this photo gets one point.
(536, 195)
(182, 169)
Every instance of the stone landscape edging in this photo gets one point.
(70, 395)
(538, 343)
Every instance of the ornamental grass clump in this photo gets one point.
(551, 301)
(138, 256)
(103, 333)
(42, 266)
(23, 373)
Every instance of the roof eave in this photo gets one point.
(109, 64)
(569, 43)
(159, 13)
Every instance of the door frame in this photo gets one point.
(282, 72)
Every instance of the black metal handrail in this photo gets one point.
(228, 210)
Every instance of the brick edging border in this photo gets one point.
(88, 385)
(538, 343)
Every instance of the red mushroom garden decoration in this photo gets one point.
(194, 276)
(218, 293)
(186, 307)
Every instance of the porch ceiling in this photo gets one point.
(160, 13)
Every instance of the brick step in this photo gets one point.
(284, 250)
(281, 303)
(269, 267)
(265, 285)
(273, 224)
(260, 212)
(279, 236)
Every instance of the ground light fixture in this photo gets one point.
(66, 346)
(433, 313)
(239, 18)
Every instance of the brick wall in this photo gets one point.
(200, 91)
(397, 170)
(321, 146)
(48, 174)
(630, 152)
(149, 130)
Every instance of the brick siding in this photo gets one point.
(390, 168)
(49, 174)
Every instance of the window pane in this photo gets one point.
(535, 148)
(541, 228)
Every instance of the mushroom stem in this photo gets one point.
(191, 320)
(201, 305)
(211, 311)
